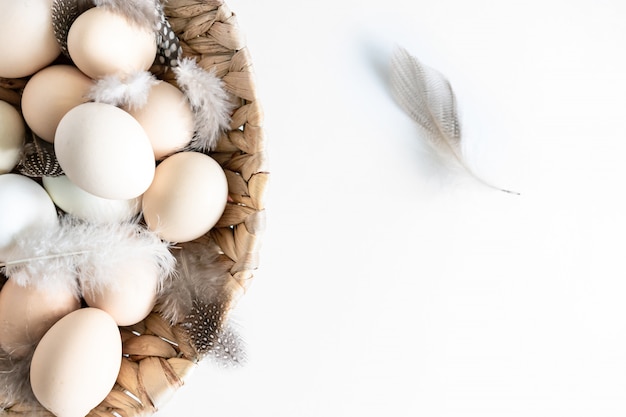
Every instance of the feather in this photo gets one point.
(428, 98)
(142, 12)
(79, 254)
(38, 159)
(212, 334)
(130, 91)
(198, 299)
(169, 51)
(15, 380)
(209, 101)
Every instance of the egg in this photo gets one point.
(186, 198)
(74, 200)
(167, 118)
(102, 42)
(76, 363)
(24, 206)
(27, 312)
(50, 94)
(28, 41)
(12, 132)
(105, 151)
(132, 295)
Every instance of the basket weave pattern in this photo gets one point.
(157, 356)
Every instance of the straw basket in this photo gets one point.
(157, 357)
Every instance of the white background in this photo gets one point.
(392, 286)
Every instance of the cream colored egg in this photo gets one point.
(24, 206)
(105, 151)
(50, 94)
(167, 119)
(76, 363)
(102, 42)
(26, 313)
(12, 132)
(28, 42)
(74, 200)
(186, 198)
(132, 295)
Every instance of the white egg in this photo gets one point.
(76, 363)
(167, 119)
(102, 42)
(28, 42)
(186, 198)
(105, 151)
(51, 93)
(12, 132)
(74, 200)
(26, 314)
(131, 295)
(24, 206)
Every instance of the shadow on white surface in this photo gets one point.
(391, 287)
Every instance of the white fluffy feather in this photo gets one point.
(142, 12)
(209, 101)
(131, 91)
(79, 254)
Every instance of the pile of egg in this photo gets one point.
(118, 163)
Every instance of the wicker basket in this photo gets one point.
(158, 356)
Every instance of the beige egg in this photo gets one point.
(12, 132)
(132, 295)
(24, 206)
(105, 151)
(26, 313)
(79, 203)
(28, 42)
(167, 119)
(50, 94)
(76, 363)
(102, 42)
(186, 198)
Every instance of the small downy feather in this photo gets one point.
(77, 254)
(130, 91)
(15, 380)
(198, 299)
(428, 98)
(209, 102)
(213, 335)
(142, 12)
(38, 159)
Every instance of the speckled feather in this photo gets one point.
(39, 160)
(212, 335)
(198, 298)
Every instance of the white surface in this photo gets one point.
(389, 286)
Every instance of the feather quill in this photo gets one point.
(209, 101)
(130, 91)
(198, 299)
(428, 98)
(79, 254)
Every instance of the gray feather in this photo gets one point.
(15, 381)
(428, 98)
(198, 298)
